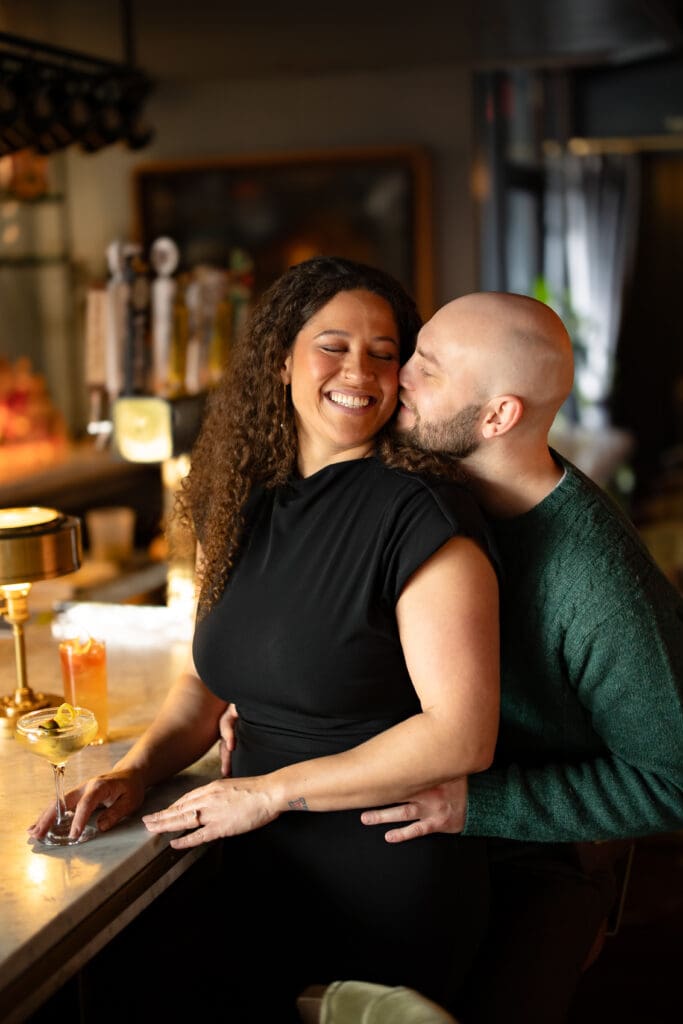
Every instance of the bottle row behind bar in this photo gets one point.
(154, 331)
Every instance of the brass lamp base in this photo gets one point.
(12, 709)
(35, 544)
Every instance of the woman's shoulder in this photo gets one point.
(435, 507)
(451, 499)
(452, 491)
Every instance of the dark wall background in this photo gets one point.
(648, 395)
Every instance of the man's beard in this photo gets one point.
(457, 436)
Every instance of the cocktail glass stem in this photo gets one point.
(59, 791)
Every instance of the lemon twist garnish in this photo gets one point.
(65, 715)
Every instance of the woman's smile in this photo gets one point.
(350, 401)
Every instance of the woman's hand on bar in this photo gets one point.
(225, 807)
(119, 792)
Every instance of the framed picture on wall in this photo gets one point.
(370, 204)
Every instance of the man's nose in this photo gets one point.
(404, 375)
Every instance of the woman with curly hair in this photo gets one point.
(348, 607)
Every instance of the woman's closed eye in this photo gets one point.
(390, 356)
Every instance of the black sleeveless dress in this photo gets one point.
(304, 640)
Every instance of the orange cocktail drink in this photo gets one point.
(84, 674)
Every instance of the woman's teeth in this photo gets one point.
(349, 401)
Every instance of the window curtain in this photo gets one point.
(600, 200)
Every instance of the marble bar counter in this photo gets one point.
(61, 906)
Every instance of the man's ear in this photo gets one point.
(286, 371)
(502, 414)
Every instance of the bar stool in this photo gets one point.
(363, 1002)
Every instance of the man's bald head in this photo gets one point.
(489, 373)
(512, 344)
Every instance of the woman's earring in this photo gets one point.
(283, 411)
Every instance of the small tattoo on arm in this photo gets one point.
(299, 804)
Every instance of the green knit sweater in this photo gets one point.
(591, 737)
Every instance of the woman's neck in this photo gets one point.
(311, 461)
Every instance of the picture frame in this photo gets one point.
(372, 204)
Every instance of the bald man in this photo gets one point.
(591, 736)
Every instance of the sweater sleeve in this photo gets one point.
(626, 670)
(602, 798)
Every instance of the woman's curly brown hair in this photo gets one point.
(248, 434)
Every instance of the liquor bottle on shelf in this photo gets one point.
(221, 338)
(136, 322)
(95, 369)
(177, 360)
(164, 257)
(117, 299)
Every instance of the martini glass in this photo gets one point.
(48, 734)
